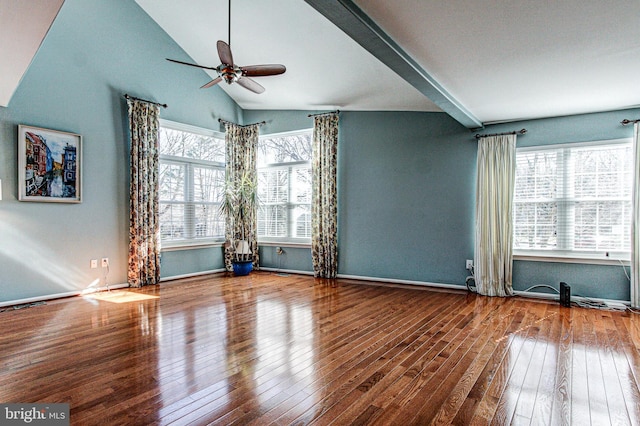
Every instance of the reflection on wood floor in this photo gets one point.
(269, 349)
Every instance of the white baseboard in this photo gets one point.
(405, 282)
(59, 295)
(374, 279)
(555, 296)
(194, 274)
(286, 271)
(533, 295)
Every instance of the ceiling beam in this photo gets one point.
(357, 25)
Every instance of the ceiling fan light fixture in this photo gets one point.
(229, 73)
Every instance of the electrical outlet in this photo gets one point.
(94, 263)
(105, 262)
(469, 264)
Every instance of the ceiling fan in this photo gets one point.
(232, 73)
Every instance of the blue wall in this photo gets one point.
(407, 195)
(96, 51)
(406, 180)
(406, 183)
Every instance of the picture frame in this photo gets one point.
(49, 165)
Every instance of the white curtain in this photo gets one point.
(494, 215)
(635, 221)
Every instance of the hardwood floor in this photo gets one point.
(270, 349)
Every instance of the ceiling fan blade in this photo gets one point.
(212, 83)
(191, 65)
(250, 84)
(224, 52)
(263, 70)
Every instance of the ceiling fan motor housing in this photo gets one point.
(229, 73)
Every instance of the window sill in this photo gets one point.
(190, 245)
(284, 244)
(576, 258)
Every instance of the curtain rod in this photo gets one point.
(625, 122)
(144, 100)
(324, 113)
(519, 132)
(220, 120)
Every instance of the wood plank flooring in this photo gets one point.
(271, 349)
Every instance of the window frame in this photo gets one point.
(287, 241)
(570, 256)
(189, 164)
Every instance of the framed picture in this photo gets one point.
(49, 165)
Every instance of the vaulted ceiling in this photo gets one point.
(480, 62)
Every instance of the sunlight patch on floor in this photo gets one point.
(120, 296)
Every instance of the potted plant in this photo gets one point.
(239, 204)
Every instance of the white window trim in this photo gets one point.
(197, 243)
(593, 258)
(179, 245)
(190, 128)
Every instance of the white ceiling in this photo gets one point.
(518, 59)
(502, 60)
(498, 60)
(325, 68)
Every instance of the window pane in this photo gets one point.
(301, 185)
(302, 217)
(284, 149)
(535, 226)
(171, 182)
(171, 221)
(273, 185)
(603, 172)
(208, 221)
(536, 174)
(179, 143)
(208, 184)
(603, 226)
(272, 221)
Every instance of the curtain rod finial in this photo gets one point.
(627, 121)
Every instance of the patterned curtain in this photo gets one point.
(324, 206)
(144, 224)
(241, 159)
(494, 215)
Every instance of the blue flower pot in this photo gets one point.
(242, 268)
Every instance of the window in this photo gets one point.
(574, 200)
(284, 187)
(191, 180)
